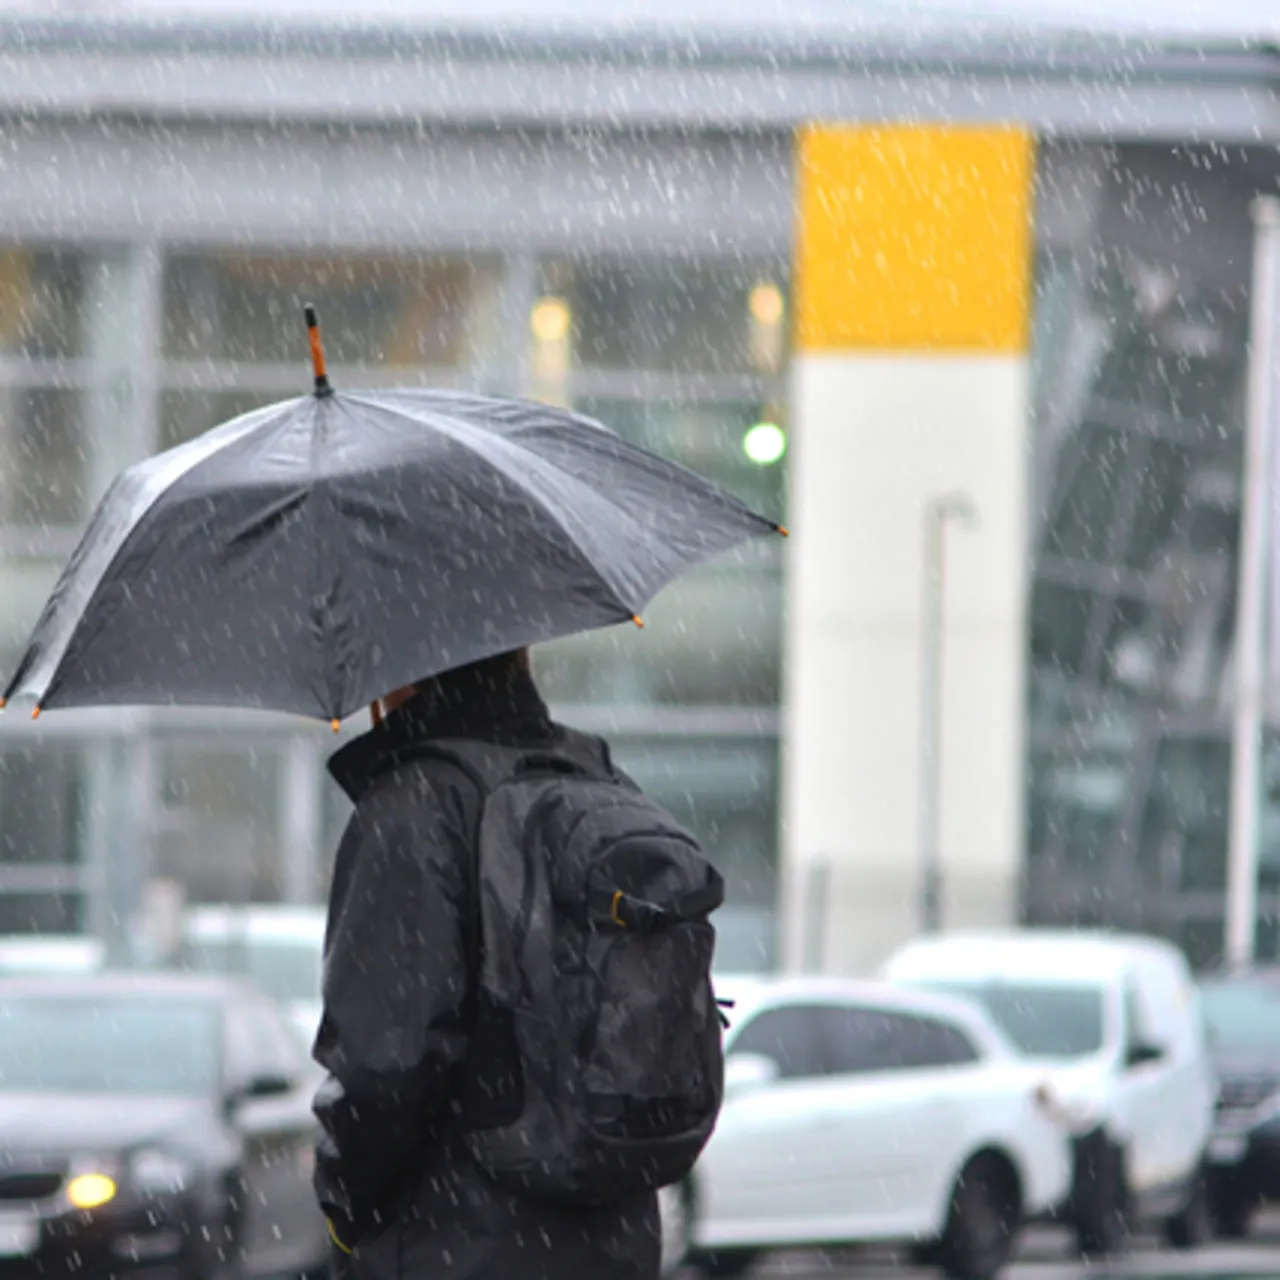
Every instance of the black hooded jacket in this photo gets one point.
(392, 1174)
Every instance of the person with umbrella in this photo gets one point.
(519, 1029)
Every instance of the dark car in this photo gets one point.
(1243, 1014)
(153, 1124)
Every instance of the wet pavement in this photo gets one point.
(1045, 1255)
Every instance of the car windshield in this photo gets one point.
(1043, 1020)
(286, 969)
(1242, 1015)
(101, 1043)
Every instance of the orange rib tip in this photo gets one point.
(637, 619)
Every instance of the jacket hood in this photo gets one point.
(466, 703)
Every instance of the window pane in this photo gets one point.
(703, 317)
(712, 637)
(43, 457)
(42, 293)
(1184, 826)
(42, 804)
(716, 440)
(41, 913)
(25, 585)
(1060, 626)
(187, 414)
(376, 310)
(219, 827)
(1161, 500)
(1085, 507)
(1202, 941)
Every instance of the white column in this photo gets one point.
(1255, 570)
(910, 381)
(300, 819)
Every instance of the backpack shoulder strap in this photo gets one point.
(573, 751)
(486, 767)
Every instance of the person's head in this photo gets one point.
(499, 670)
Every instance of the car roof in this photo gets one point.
(256, 923)
(773, 992)
(154, 984)
(1030, 954)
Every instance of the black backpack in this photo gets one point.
(596, 1064)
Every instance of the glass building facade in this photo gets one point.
(112, 353)
(1142, 336)
(629, 255)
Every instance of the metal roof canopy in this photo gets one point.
(1203, 72)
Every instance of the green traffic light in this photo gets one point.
(764, 443)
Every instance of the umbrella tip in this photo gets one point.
(35, 714)
(335, 724)
(2, 703)
(637, 619)
(322, 387)
(782, 529)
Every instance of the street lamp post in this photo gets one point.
(1257, 559)
(938, 512)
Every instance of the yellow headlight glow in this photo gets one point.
(89, 1190)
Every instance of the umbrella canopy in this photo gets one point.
(313, 555)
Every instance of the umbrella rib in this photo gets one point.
(511, 473)
(317, 492)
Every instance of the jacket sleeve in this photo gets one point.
(395, 991)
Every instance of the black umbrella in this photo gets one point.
(315, 554)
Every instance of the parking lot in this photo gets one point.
(1045, 1256)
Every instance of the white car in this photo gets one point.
(859, 1113)
(1118, 1018)
(279, 948)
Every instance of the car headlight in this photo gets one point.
(90, 1190)
(155, 1172)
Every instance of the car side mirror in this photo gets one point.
(263, 1086)
(1143, 1052)
(747, 1072)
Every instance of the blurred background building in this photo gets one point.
(603, 215)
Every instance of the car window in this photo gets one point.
(862, 1040)
(789, 1036)
(259, 1044)
(1043, 1019)
(101, 1042)
(931, 1043)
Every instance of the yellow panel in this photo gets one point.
(914, 238)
